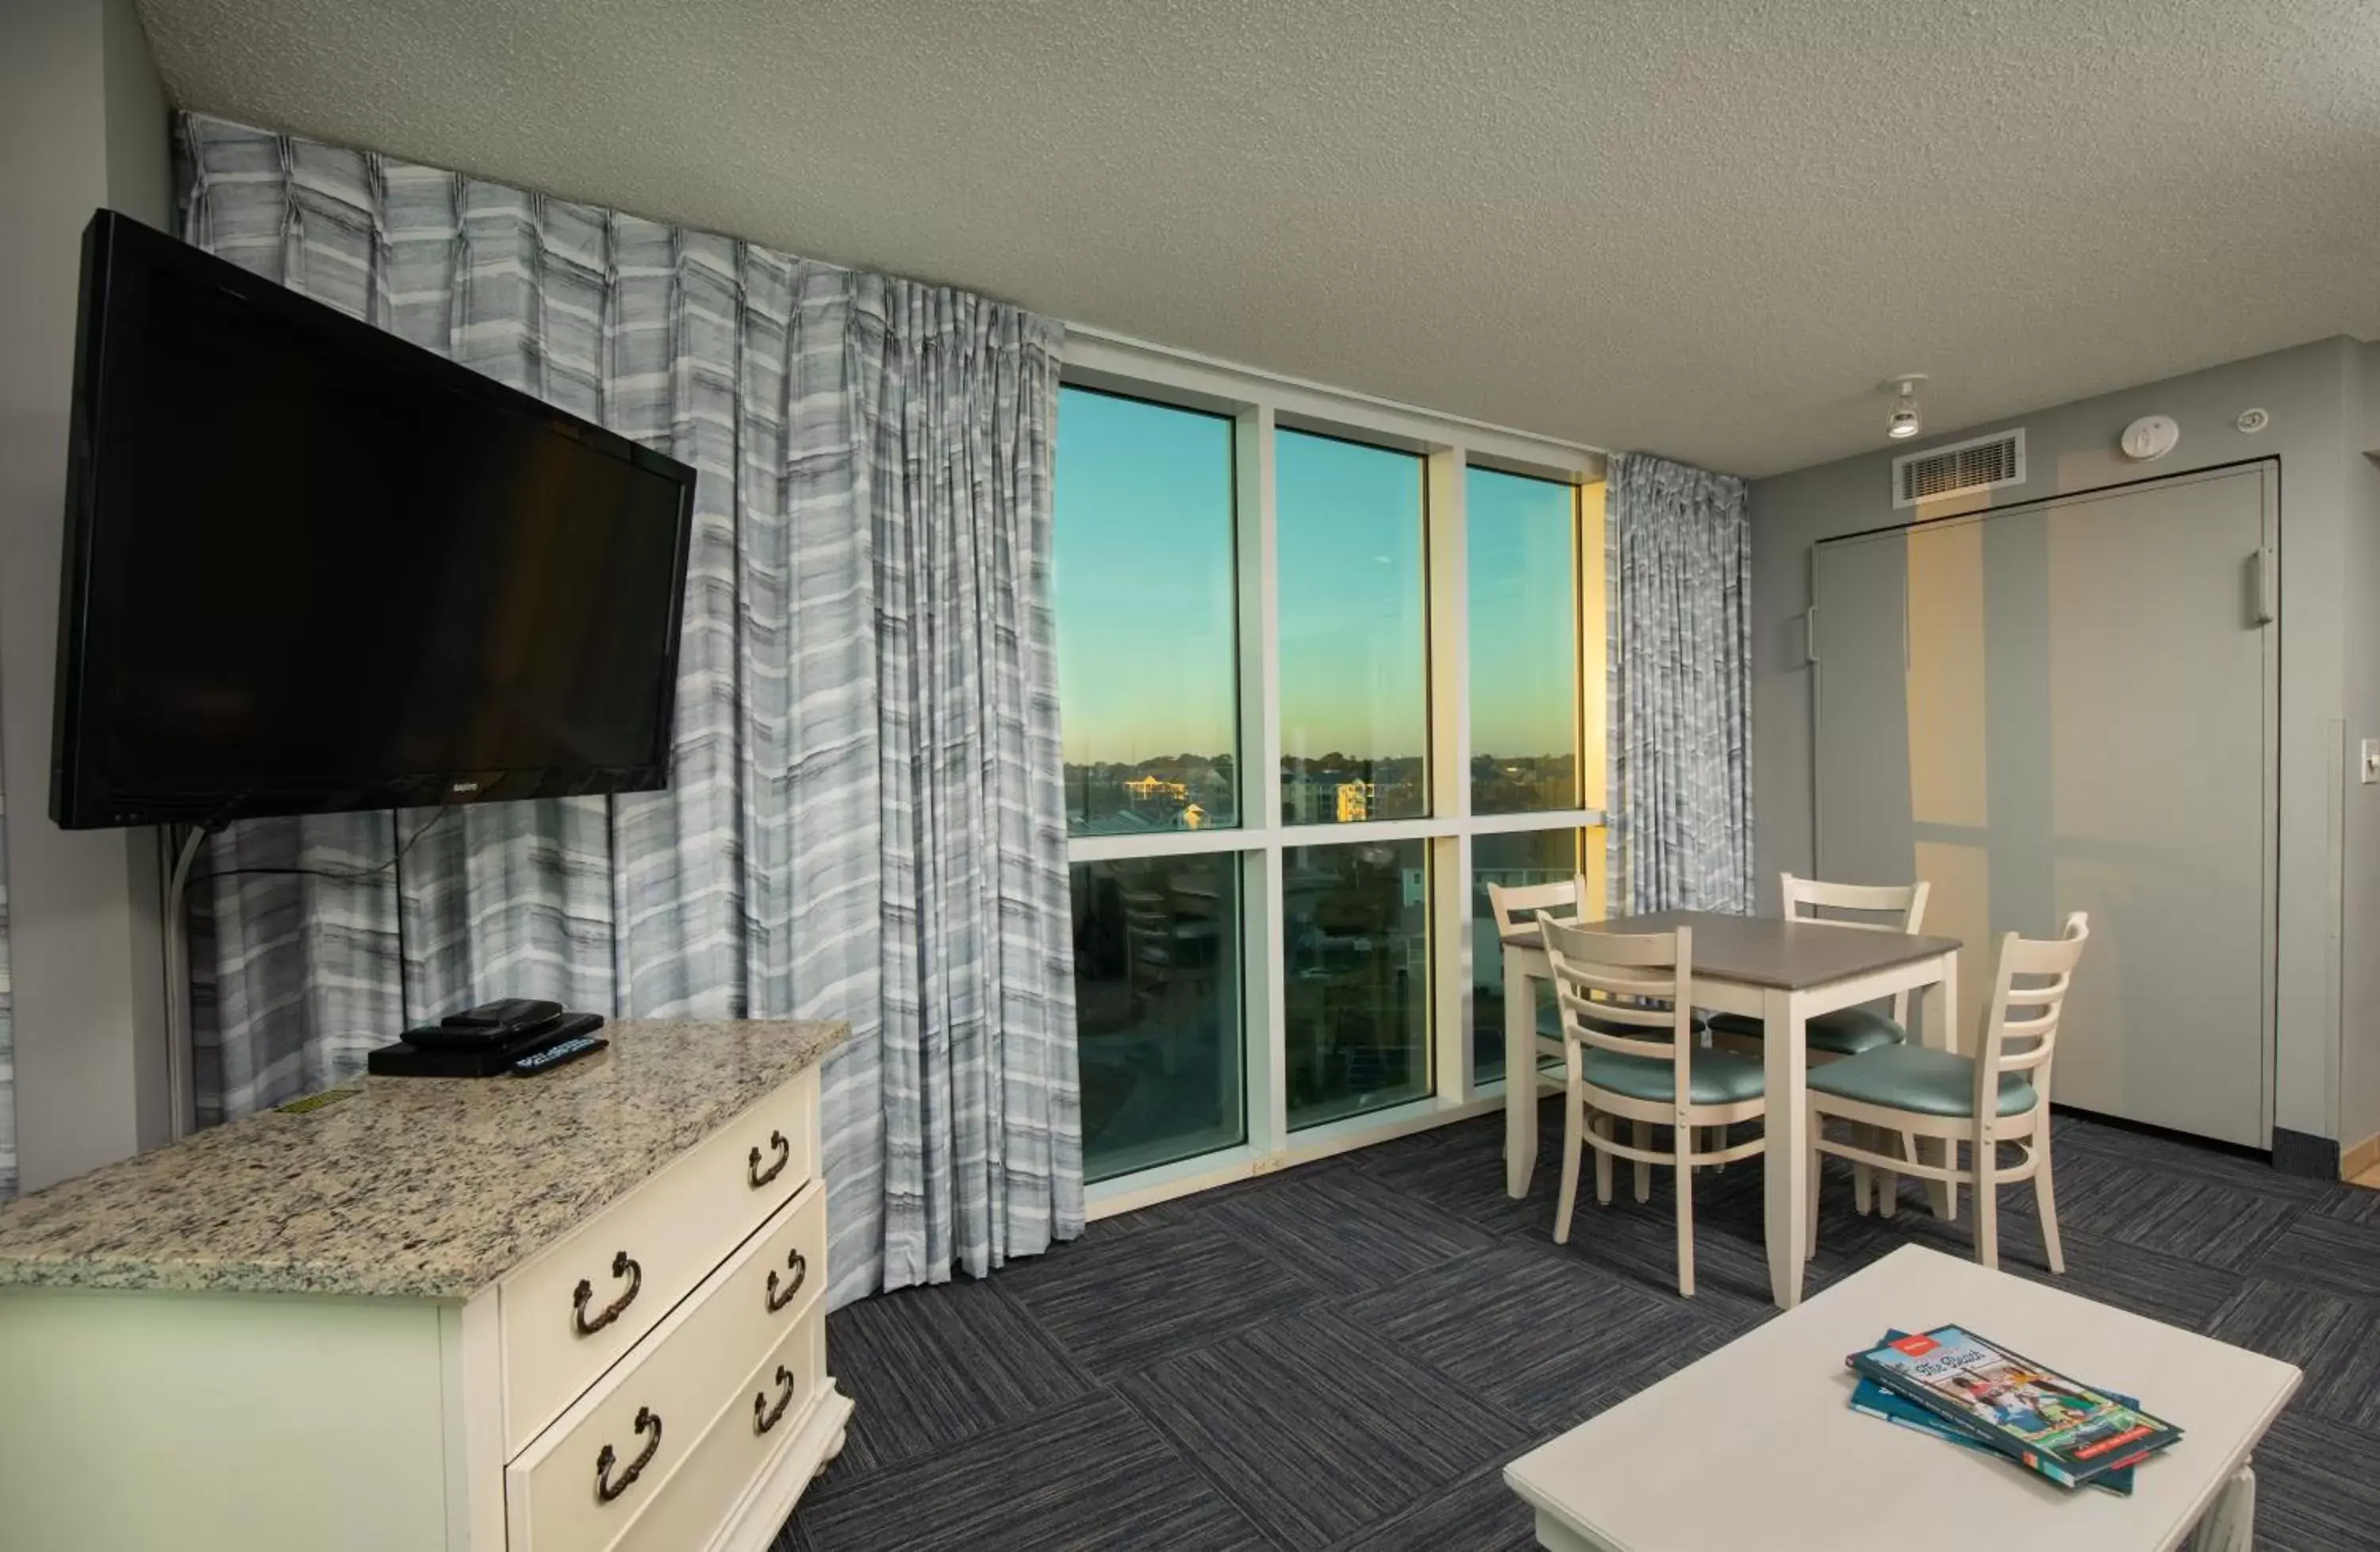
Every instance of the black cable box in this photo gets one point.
(403, 1060)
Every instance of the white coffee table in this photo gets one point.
(1756, 1446)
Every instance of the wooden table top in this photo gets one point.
(1772, 952)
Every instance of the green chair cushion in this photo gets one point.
(1716, 1078)
(1917, 1078)
(1844, 1031)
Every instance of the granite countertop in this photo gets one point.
(415, 1187)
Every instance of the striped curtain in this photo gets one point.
(864, 817)
(1678, 556)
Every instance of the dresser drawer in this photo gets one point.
(776, 1400)
(575, 1310)
(648, 1413)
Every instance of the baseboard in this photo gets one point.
(2360, 1158)
(2301, 1153)
(2149, 1129)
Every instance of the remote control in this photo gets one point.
(555, 1055)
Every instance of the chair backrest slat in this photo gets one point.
(1607, 1011)
(2021, 1025)
(1516, 906)
(1904, 903)
(1608, 979)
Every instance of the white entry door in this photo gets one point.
(2074, 706)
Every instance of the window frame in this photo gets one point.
(1260, 402)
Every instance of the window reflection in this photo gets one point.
(1355, 934)
(1528, 857)
(1157, 1008)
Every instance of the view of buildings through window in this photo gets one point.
(1354, 631)
(1189, 1012)
(1523, 567)
(1144, 591)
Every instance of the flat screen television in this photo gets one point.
(313, 567)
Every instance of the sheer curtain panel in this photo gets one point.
(1679, 560)
(863, 820)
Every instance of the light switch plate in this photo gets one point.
(2371, 761)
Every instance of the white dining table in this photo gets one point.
(1783, 973)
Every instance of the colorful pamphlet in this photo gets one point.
(2067, 1431)
(1874, 1400)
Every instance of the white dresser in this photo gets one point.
(575, 1313)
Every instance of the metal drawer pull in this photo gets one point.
(784, 1153)
(622, 1267)
(797, 1264)
(605, 1489)
(764, 1417)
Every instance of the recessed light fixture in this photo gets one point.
(1907, 420)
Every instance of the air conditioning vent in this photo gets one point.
(1982, 464)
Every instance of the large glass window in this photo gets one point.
(1229, 592)
(1355, 938)
(1523, 564)
(1143, 581)
(1157, 1009)
(1354, 634)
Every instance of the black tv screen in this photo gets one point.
(313, 567)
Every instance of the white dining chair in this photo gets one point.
(1999, 1095)
(1875, 907)
(1629, 1052)
(1516, 908)
(1846, 1031)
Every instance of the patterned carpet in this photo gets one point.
(1344, 1355)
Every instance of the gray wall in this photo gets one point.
(2322, 420)
(2358, 1099)
(82, 123)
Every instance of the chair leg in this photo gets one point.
(1817, 1162)
(1987, 1220)
(1945, 1152)
(1887, 1181)
(1574, 1120)
(1641, 1134)
(2047, 1198)
(1605, 1128)
(1685, 1230)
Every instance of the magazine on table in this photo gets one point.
(2065, 1430)
(1874, 1400)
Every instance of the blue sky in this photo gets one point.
(1143, 580)
(1523, 574)
(1144, 574)
(1355, 665)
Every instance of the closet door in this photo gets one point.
(2076, 711)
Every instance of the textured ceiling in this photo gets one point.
(1702, 229)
